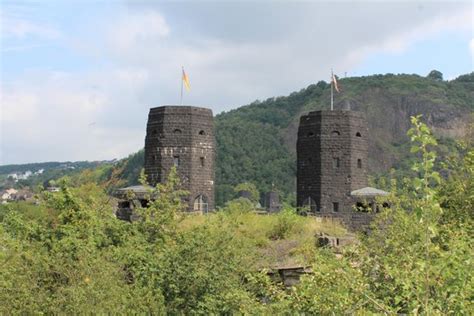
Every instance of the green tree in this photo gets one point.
(435, 75)
(249, 187)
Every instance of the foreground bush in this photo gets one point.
(71, 255)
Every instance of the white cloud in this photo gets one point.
(20, 28)
(234, 53)
(133, 28)
(50, 114)
(398, 42)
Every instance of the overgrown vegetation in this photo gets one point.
(71, 255)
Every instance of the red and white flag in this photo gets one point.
(335, 82)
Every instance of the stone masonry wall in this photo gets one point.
(331, 160)
(182, 136)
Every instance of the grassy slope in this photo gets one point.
(281, 240)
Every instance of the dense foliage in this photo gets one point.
(69, 254)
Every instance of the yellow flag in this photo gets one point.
(186, 81)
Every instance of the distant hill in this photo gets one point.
(257, 142)
(32, 174)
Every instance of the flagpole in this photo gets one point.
(182, 71)
(332, 93)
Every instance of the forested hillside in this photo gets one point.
(256, 143)
(34, 174)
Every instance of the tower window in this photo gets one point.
(176, 161)
(202, 132)
(361, 207)
(202, 161)
(359, 163)
(177, 131)
(143, 203)
(310, 134)
(335, 207)
(335, 133)
(200, 204)
(358, 134)
(336, 163)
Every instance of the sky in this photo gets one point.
(77, 78)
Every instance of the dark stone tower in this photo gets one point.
(182, 136)
(332, 152)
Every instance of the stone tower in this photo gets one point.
(182, 136)
(332, 153)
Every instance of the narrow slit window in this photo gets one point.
(335, 207)
(176, 161)
(202, 161)
(359, 163)
(336, 163)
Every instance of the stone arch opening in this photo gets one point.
(201, 204)
(310, 204)
(335, 133)
(358, 134)
(201, 132)
(177, 131)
